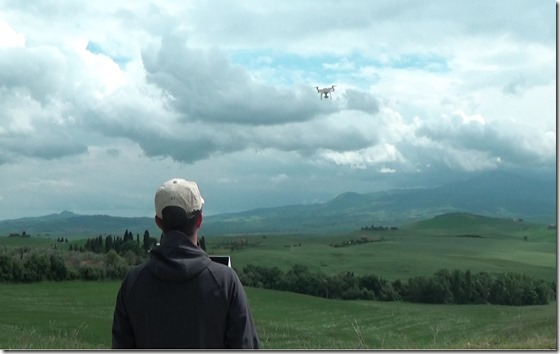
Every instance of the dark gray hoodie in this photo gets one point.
(180, 299)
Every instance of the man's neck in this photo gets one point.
(193, 239)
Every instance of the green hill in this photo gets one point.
(473, 225)
(493, 194)
(70, 225)
(452, 241)
(452, 221)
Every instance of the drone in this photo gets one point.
(325, 92)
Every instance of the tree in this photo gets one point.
(111, 259)
(146, 244)
(482, 283)
(544, 293)
(36, 267)
(115, 265)
(130, 245)
(58, 268)
(17, 269)
(6, 268)
(108, 243)
(372, 283)
(128, 236)
(202, 243)
(388, 293)
(262, 277)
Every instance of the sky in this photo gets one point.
(102, 101)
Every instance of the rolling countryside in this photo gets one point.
(77, 314)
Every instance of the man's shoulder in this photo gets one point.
(138, 268)
(134, 272)
(219, 267)
(222, 272)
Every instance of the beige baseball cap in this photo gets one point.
(178, 192)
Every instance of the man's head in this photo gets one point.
(178, 206)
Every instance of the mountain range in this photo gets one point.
(496, 194)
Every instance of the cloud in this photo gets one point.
(224, 92)
(470, 143)
(37, 72)
(361, 101)
(387, 170)
(205, 86)
(515, 86)
(361, 159)
(10, 38)
(279, 178)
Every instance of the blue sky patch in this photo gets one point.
(98, 50)
(327, 69)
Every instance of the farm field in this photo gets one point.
(78, 315)
(453, 242)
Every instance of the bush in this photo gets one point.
(58, 268)
(6, 268)
(115, 265)
(91, 273)
(36, 267)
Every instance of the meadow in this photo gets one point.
(78, 314)
(455, 241)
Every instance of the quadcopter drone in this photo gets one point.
(325, 92)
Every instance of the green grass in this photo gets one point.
(288, 321)
(50, 313)
(407, 252)
(35, 242)
(38, 242)
(78, 315)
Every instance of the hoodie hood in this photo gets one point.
(176, 258)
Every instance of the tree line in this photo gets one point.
(443, 287)
(111, 258)
(99, 258)
(24, 265)
(120, 244)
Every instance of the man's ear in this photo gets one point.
(160, 223)
(199, 221)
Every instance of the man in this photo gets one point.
(179, 298)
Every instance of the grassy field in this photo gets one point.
(453, 242)
(78, 315)
(34, 242)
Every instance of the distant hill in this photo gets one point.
(494, 194)
(69, 224)
(478, 226)
(461, 221)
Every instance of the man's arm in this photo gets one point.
(240, 331)
(123, 335)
